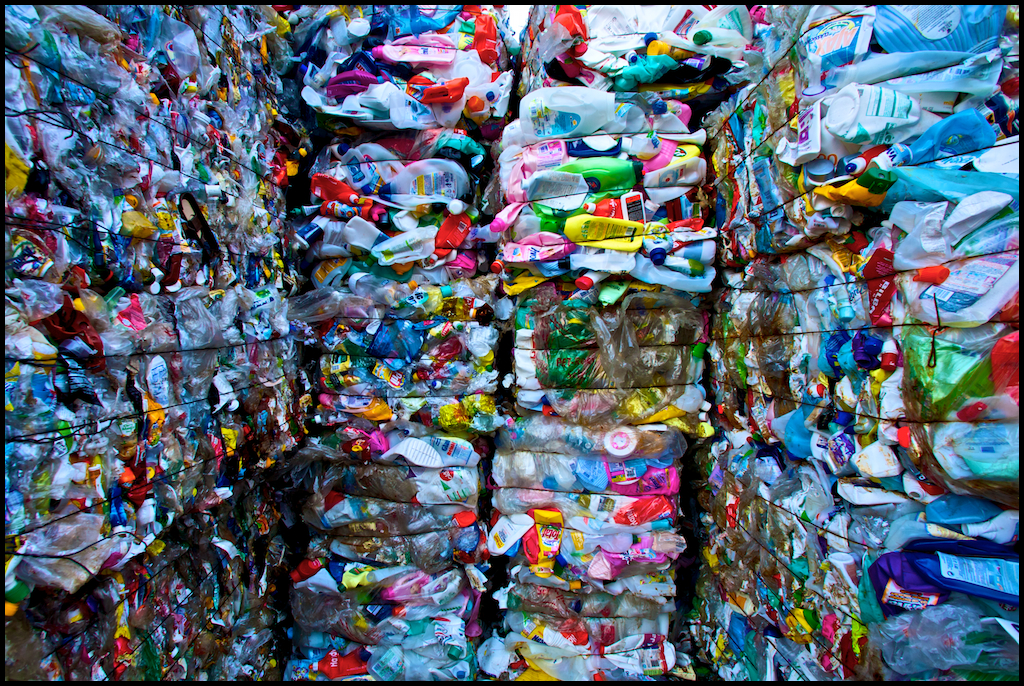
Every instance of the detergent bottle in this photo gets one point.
(647, 272)
(428, 50)
(426, 181)
(605, 174)
(605, 232)
(565, 112)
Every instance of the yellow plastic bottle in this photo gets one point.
(605, 232)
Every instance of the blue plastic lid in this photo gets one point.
(650, 38)
(658, 256)
(659, 107)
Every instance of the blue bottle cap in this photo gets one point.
(659, 107)
(658, 256)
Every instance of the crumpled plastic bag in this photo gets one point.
(71, 551)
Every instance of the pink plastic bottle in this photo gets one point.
(431, 50)
(538, 247)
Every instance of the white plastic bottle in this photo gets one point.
(406, 247)
(369, 166)
(676, 178)
(427, 181)
(360, 233)
(646, 271)
(876, 115)
(565, 112)
(701, 251)
(732, 17)
(1004, 528)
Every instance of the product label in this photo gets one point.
(456, 451)
(327, 269)
(987, 572)
(942, 532)
(834, 43)
(633, 204)
(878, 272)
(968, 283)
(560, 190)
(364, 174)
(933, 21)
(390, 665)
(436, 183)
(549, 154)
(884, 102)
(896, 595)
(622, 472)
(548, 122)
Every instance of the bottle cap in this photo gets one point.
(456, 206)
(446, 291)
(935, 274)
(819, 170)
(658, 256)
(702, 37)
(659, 107)
(497, 266)
(650, 38)
(622, 441)
(584, 283)
(475, 104)
(812, 91)
(377, 52)
(877, 181)
(17, 592)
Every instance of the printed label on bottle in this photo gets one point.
(883, 102)
(987, 572)
(549, 154)
(436, 183)
(894, 594)
(549, 122)
(834, 42)
(967, 284)
(561, 190)
(933, 21)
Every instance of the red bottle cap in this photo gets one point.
(936, 274)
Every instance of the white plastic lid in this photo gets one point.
(621, 441)
(359, 27)
(456, 206)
